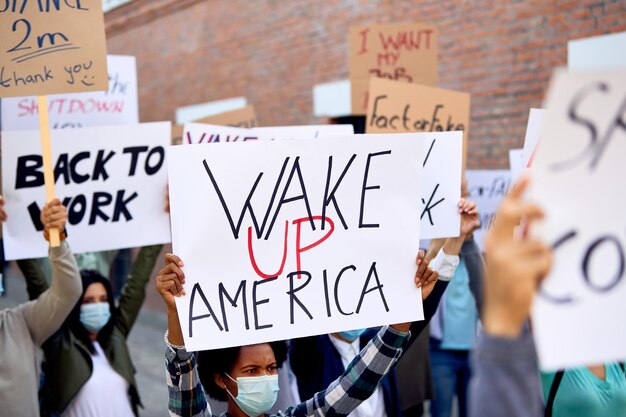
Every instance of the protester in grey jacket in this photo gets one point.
(506, 380)
(28, 325)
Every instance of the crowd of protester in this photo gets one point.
(477, 329)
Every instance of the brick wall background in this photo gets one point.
(274, 51)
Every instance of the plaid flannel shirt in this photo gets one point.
(359, 381)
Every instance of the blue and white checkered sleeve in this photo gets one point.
(186, 395)
(360, 380)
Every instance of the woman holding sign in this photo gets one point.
(28, 325)
(88, 356)
(247, 376)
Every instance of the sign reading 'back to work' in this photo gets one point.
(51, 47)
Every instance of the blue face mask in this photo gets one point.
(94, 316)
(255, 394)
(352, 335)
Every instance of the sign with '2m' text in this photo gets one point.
(578, 179)
(51, 47)
(285, 239)
(111, 179)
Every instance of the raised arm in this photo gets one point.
(505, 379)
(361, 378)
(46, 314)
(186, 395)
(134, 291)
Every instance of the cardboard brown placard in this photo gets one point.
(243, 117)
(52, 47)
(397, 107)
(401, 52)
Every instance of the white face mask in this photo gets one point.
(95, 316)
(256, 394)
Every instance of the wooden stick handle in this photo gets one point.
(46, 154)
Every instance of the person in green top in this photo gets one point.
(595, 391)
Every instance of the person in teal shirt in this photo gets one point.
(597, 391)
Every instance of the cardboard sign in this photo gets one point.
(404, 52)
(441, 181)
(397, 107)
(578, 179)
(243, 117)
(111, 179)
(51, 47)
(536, 122)
(196, 133)
(487, 187)
(516, 163)
(286, 239)
(116, 106)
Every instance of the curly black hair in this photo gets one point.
(221, 361)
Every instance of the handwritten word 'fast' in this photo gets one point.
(72, 168)
(433, 124)
(598, 143)
(295, 177)
(222, 297)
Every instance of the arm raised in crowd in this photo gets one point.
(445, 263)
(134, 291)
(505, 380)
(46, 314)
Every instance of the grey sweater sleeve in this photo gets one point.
(505, 380)
(45, 315)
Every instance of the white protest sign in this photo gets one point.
(111, 179)
(442, 164)
(578, 179)
(516, 163)
(487, 187)
(304, 132)
(195, 133)
(247, 217)
(116, 106)
(536, 122)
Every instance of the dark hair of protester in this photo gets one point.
(221, 361)
(89, 277)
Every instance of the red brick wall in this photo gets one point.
(274, 51)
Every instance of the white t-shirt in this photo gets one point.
(105, 394)
(374, 406)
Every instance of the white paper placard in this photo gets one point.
(516, 163)
(441, 181)
(196, 133)
(111, 179)
(304, 132)
(487, 187)
(578, 179)
(361, 264)
(536, 122)
(116, 106)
